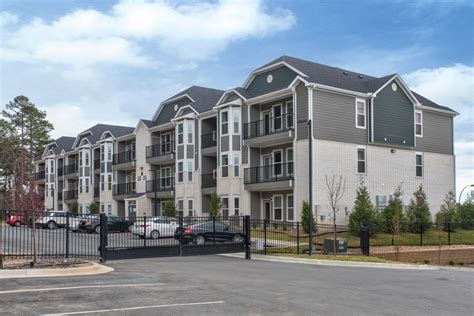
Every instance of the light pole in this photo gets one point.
(310, 126)
(467, 186)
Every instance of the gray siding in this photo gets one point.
(245, 120)
(282, 77)
(190, 151)
(235, 142)
(301, 110)
(334, 118)
(224, 143)
(231, 97)
(168, 112)
(437, 134)
(180, 152)
(393, 118)
(254, 157)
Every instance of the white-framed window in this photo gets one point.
(236, 164)
(102, 208)
(289, 161)
(225, 207)
(419, 165)
(180, 133)
(236, 206)
(236, 120)
(180, 171)
(80, 159)
(361, 160)
(225, 165)
(277, 162)
(86, 158)
(80, 185)
(109, 152)
(419, 123)
(189, 131)
(224, 123)
(87, 185)
(109, 209)
(190, 171)
(109, 182)
(289, 114)
(290, 207)
(361, 113)
(277, 117)
(190, 207)
(278, 207)
(102, 182)
(102, 153)
(51, 162)
(80, 209)
(180, 207)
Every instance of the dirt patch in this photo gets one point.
(448, 255)
(45, 264)
(382, 249)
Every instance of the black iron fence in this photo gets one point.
(159, 149)
(70, 169)
(70, 194)
(124, 188)
(123, 157)
(160, 185)
(209, 140)
(269, 125)
(270, 173)
(60, 171)
(40, 175)
(208, 180)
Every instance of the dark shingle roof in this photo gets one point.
(64, 142)
(94, 133)
(148, 123)
(204, 98)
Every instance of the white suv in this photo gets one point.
(156, 227)
(52, 219)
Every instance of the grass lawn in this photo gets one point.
(337, 258)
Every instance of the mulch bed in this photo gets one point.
(45, 263)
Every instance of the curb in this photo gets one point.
(93, 269)
(335, 263)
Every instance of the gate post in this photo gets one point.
(364, 240)
(181, 231)
(144, 231)
(103, 238)
(67, 234)
(297, 238)
(265, 236)
(248, 236)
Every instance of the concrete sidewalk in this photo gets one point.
(92, 269)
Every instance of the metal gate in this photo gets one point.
(148, 237)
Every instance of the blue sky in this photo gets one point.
(114, 61)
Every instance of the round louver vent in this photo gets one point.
(394, 86)
(269, 78)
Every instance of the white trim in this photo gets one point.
(181, 109)
(270, 96)
(318, 86)
(263, 201)
(274, 163)
(357, 100)
(125, 137)
(276, 65)
(403, 85)
(78, 136)
(417, 153)
(239, 120)
(294, 83)
(421, 122)
(222, 124)
(429, 108)
(365, 159)
(102, 136)
(226, 93)
(177, 134)
(162, 104)
(287, 161)
(273, 117)
(372, 119)
(293, 207)
(237, 154)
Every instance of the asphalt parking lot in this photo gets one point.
(222, 285)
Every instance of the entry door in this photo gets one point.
(277, 118)
(267, 167)
(166, 143)
(267, 122)
(166, 177)
(267, 207)
(132, 211)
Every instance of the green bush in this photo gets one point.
(392, 215)
(307, 218)
(418, 212)
(465, 214)
(364, 212)
(73, 207)
(254, 226)
(169, 209)
(215, 205)
(275, 225)
(94, 208)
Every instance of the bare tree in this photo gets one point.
(336, 189)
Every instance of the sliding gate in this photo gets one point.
(150, 237)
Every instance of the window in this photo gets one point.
(277, 162)
(80, 159)
(419, 165)
(224, 123)
(190, 208)
(190, 171)
(277, 117)
(289, 161)
(109, 152)
(166, 143)
(87, 158)
(102, 180)
(80, 209)
(419, 123)
(361, 161)
(109, 182)
(87, 185)
(360, 113)
(165, 177)
(290, 208)
(102, 207)
(236, 120)
(88, 209)
(236, 165)
(109, 209)
(236, 206)
(189, 128)
(102, 153)
(80, 185)
(225, 208)
(180, 171)
(289, 114)
(51, 162)
(180, 133)
(278, 207)
(180, 207)
(225, 166)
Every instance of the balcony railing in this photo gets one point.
(162, 185)
(124, 157)
(269, 125)
(60, 195)
(70, 194)
(270, 173)
(40, 175)
(96, 192)
(124, 188)
(209, 140)
(60, 171)
(96, 164)
(70, 169)
(208, 180)
(159, 149)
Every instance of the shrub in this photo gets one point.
(215, 205)
(392, 215)
(275, 225)
(169, 209)
(364, 212)
(418, 212)
(426, 261)
(448, 211)
(465, 214)
(94, 208)
(306, 218)
(73, 207)
(254, 226)
(451, 262)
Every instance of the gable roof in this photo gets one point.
(94, 133)
(58, 145)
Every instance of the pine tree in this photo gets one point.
(307, 218)
(447, 211)
(215, 205)
(418, 212)
(392, 215)
(364, 212)
(169, 209)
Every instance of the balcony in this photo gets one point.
(270, 131)
(124, 160)
(209, 144)
(208, 183)
(161, 153)
(70, 170)
(124, 188)
(278, 176)
(164, 188)
(60, 195)
(40, 176)
(70, 194)
(60, 171)
(96, 192)
(96, 164)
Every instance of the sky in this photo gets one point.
(86, 62)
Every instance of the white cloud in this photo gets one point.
(7, 18)
(193, 31)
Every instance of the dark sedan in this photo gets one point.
(114, 224)
(209, 231)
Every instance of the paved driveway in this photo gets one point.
(222, 285)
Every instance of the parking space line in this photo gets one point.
(79, 287)
(136, 308)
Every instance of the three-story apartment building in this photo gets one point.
(251, 145)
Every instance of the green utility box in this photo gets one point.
(341, 245)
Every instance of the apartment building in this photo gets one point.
(251, 145)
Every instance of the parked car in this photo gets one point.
(114, 224)
(52, 219)
(155, 227)
(209, 231)
(16, 220)
(74, 223)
